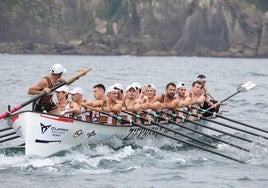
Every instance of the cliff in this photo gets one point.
(220, 28)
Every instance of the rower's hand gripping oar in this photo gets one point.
(118, 118)
(243, 88)
(67, 81)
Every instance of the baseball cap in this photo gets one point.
(181, 84)
(76, 90)
(201, 77)
(118, 86)
(63, 88)
(136, 84)
(111, 89)
(57, 69)
(151, 86)
(130, 86)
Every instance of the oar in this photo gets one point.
(118, 118)
(225, 125)
(169, 129)
(196, 131)
(5, 129)
(10, 138)
(243, 88)
(214, 129)
(67, 81)
(232, 120)
(8, 134)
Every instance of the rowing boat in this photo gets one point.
(46, 134)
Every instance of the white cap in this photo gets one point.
(118, 86)
(63, 88)
(57, 69)
(151, 86)
(181, 84)
(111, 89)
(136, 84)
(130, 86)
(76, 90)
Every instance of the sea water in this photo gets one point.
(151, 162)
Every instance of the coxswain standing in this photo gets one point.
(45, 103)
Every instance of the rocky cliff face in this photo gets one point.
(137, 27)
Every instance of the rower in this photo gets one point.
(209, 101)
(109, 104)
(138, 88)
(119, 87)
(129, 104)
(64, 106)
(77, 96)
(167, 100)
(183, 101)
(197, 98)
(99, 92)
(150, 102)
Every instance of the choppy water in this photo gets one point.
(144, 163)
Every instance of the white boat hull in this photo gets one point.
(46, 134)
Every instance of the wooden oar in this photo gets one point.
(243, 88)
(224, 124)
(118, 118)
(214, 129)
(171, 130)
(68, 82)
(196, 131)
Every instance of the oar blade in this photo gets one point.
(247, 86)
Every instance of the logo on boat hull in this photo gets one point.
(78, 133)
(44, 128)
(91, 134)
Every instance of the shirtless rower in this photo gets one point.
(120, 91)
(130, 104)
(167, 100)
(99, 92)
(197, 98)
(109, 104)
(183, 101)
(45, 104)
(138, 88)
(150, 102)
